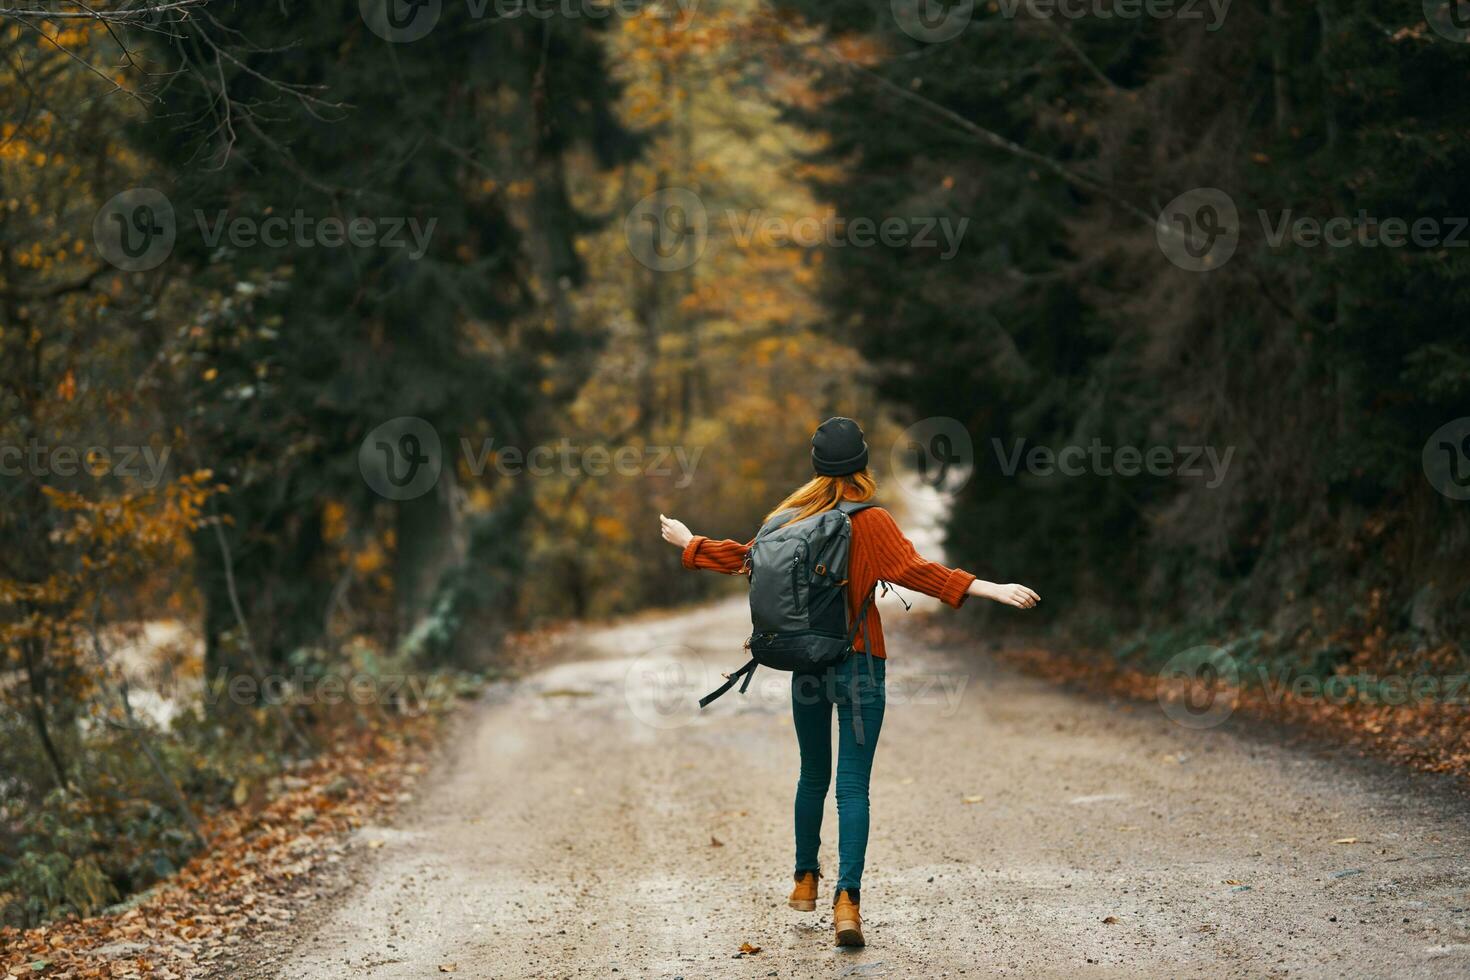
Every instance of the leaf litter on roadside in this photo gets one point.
(245, 883)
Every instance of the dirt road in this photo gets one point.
(590, 825)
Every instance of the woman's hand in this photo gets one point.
(674, 532)
(1010, 595)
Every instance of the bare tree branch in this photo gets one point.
(121, 15)
(999, 142)
(74, 57)
(245, 639)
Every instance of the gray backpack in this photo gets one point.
(798, 590)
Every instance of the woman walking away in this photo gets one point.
(855, 685)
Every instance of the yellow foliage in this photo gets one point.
(335, 524)
(114, 541)
(610, 529)
(369, 560)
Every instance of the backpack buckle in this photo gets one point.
(821, 569)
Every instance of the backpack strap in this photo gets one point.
(850, 507)
(748, 671)
(862, 623)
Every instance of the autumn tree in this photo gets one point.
(1061, 320)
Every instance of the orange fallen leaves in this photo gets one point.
(1427, 735)
(245, 883)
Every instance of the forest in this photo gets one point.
(345, 349)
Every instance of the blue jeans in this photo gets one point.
(812, 699)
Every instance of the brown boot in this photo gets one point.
(804, 895)
(847, 920)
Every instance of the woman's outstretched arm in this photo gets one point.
(1011, 594)
(700, 552)
(901, 564)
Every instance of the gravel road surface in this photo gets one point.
(590, 823)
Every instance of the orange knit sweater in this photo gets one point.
(879, 551)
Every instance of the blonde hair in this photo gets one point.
(822, 493)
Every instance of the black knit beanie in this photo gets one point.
(838, 447)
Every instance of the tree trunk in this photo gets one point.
(1280, 62)
(430, 543)
(36, 683)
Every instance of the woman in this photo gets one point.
(879, 552)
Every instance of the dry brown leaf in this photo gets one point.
(748, 949)
(715, 841)
(241, 882)
(1429, 736)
